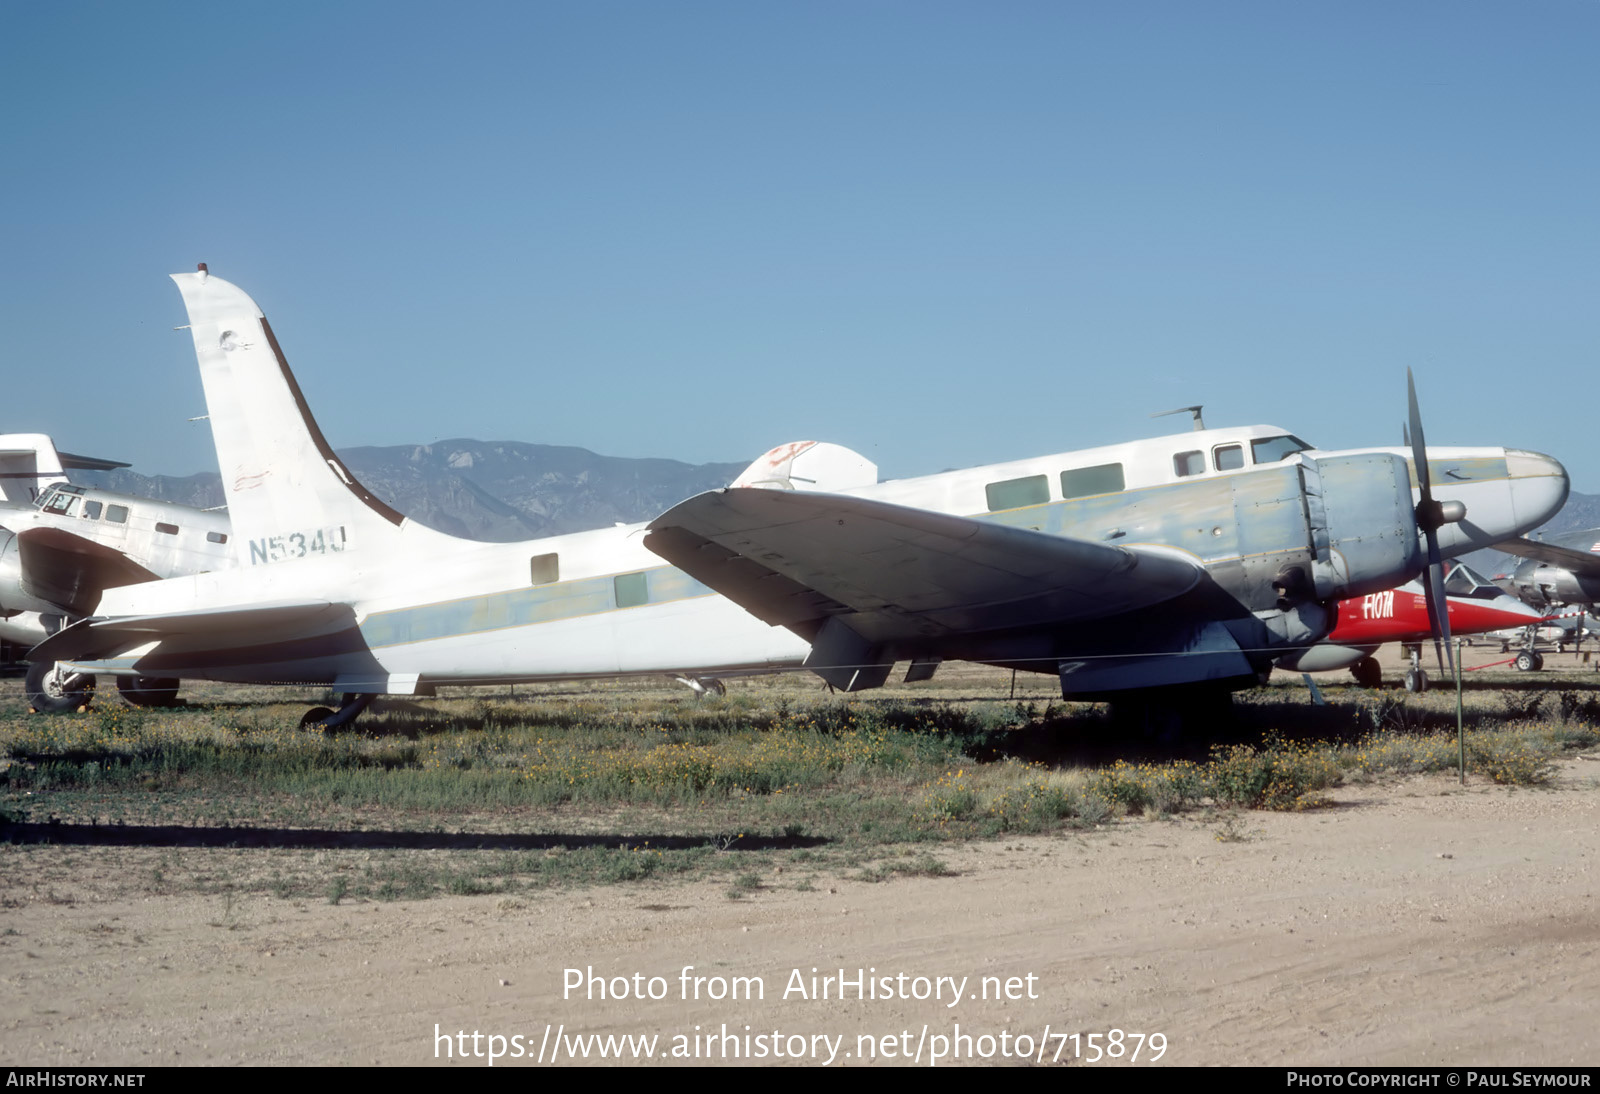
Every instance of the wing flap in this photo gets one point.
(901, 573)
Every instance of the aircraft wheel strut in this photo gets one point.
(52, 689)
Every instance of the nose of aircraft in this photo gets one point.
(1538, 487)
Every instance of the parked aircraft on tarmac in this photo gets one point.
(1184, 560)
(1476, 606)
(1558, 570)
(1135, 572)
(333, 587)
(61, 546)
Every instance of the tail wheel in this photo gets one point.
(52, 689)
(148, 691)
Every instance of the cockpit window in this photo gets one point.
(1273, 449)
(1465, 581)
(60, 502)
(1189, 463)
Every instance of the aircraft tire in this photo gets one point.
(1538, 661)
(1416, 681)
(148, 691)
(1527, 662)
(52, 691)
(1367, 672)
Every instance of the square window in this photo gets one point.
(545, 569)
(632, 590)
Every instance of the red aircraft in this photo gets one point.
(1475, 604)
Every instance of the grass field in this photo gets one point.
(778, 783)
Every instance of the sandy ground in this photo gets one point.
(1414, 923)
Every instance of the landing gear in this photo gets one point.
(52, 689)
(1368, 673)
(1529, 661)
(148, 691)
(350, 705)
(1415, 679)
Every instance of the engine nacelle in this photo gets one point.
(1543, 585)
(1363, 524)
(12, 597)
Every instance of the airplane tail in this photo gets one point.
(289, 496)
(28, 464)
(809, 465)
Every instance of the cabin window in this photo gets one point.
(169, 529)
(117, 514)
(632, 590)
(216, 537)
(1228, 457)
(1273, 449)
(545, 569)
(1016, 493)
(1080, 482)
(1189, 463)
(91, 510)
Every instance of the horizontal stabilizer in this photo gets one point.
(1584, 563)
(896, 573)
(71, 571)
(89, 463)
(94, 639)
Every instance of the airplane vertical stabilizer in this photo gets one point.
(289, 496)
(28, 463)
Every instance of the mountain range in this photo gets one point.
(497, 491)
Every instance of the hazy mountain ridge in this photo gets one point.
(486, 490)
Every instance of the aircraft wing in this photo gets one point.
(1575, 559)
(94, 639)
(897, 574)
(72, 571)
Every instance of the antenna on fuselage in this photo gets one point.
(1199, 423)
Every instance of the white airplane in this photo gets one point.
(1156, 574)
(333, 587)
(1164, 562)
(62, 545)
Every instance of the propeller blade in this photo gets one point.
(1438, 609)
(1419, 447)
(1429, 517)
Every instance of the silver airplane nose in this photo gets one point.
(1538, 487)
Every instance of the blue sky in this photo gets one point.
(943, 234)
